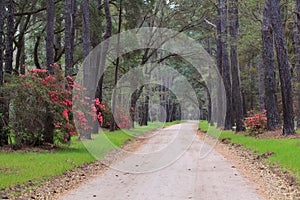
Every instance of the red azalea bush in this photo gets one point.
(256, 123)
(41, 108)
(124, 122)
(104, 109)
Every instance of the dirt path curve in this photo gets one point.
(189, 177)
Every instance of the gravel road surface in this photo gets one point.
(172, 165)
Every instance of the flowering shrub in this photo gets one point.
(256, 123)
(124, 122)
(104, 109)
(121, 119)
(41, 108)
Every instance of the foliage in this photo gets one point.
(104, 108)
(256, 123)
(38, 100)
(204, 125)
(123, 121)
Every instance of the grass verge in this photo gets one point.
(22, 167)
(287, 151)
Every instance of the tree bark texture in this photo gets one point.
(270, 71)
(103, 53)
(284, 69)
(36, 52)
(3, 137)
(219, 107)
(236, 86)
(113, 122)
(50, 36)
(69, 35)
(20, 57)
(296, 34)
(104, 49)
(2, 18)
(261, 86)
(225, 64)
(9, 38)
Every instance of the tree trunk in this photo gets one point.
(73, 28)
(269, 65)
(284, 69)
(144, 114)
(104, 49)
(36, 52)
(50, 36)
(20, 57)
(297, 55)
(9, 38)
(236, 88)
(103, 53)
(112, 122)
(97, 31)
(134, 98)
(219, 105)
(69, 36)
(87, 79)
(225, 64)
(8, 64)
(86, 28)
(49, 131)
(2, 17)
(261, 86)
(96, 34)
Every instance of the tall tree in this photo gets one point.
(261, 86)
(9, 51)
(70, 11)
(2, 17)
(86, 50)
(49, 127)
(236, 88)
(284, 69)
(104, 49)
(225, 63)
(112, 121)
(296, 35)
(50, 36)
(96, 24)
(9, 37)
(219, 106)
(270, 71)
(20, 44)
(86, 28)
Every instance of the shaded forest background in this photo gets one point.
(255, 45)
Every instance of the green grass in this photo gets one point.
(204, 125)
(19, 168)
(287, 151)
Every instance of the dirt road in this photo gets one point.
(169, 167)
